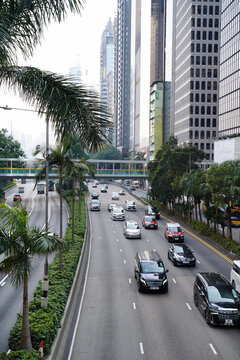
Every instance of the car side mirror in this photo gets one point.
(137, 270)
(201, 293)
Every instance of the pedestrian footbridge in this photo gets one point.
(103, 169)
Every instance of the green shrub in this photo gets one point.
(44, 322)
(20, 355)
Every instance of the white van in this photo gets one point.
(235, 275)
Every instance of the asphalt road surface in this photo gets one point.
(117, 322)
(10, 297)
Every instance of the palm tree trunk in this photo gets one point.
(25, 343)
(79, 199)
(196, 215)
(61, 218)
(73, 212)
(200, 212)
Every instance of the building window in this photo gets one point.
(210, 35)
(207, 156)
(215, 35)
(199, 9)
(197, 97)
(202, 110)
(215, 48)
(202, 134)
(198, 48)
(215, 85)
(204, 48)
(209, 48)
(196, 145)
(191, 109)
(209, 85)
(191, 72)
(204, 22)
(203, 85)
(208, 146)
(214, 122)
(193, 22)
(198, 35)
(196, 134)
(203, 72)
(197, 83)
(191, 122)
(209, 73)
(210, 23)
(191, 85)
(196, 109)
(214, 110)
(214, 134)
(208, 110)
(215, 74)
(209, 60)
(202, 146)
(190, 134)
(216, 10)
(197, 60)
(208, 135)
(208, 122)
(202, 122)
(204, 60)
(210, 10)
(192, 34)
(192, 47)
(216, 23)
(202, 97)
(191, 97)
(208, 97)
(193, 9)
(204, 10)
(204, 35)
(196, 122)
(198, 22)
(192, 60)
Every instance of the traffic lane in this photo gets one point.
(106, 329)
(184, 276)
(154, 313)
(27, 196)
(10, 297)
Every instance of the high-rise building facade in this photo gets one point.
(227, 147)
(195, 73)
(122, 52)
(106, 71)
(140, 74)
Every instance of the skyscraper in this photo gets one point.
(228, 145)
(106, 68)
(122, 75)
(195, 73)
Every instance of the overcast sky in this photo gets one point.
(75, 41)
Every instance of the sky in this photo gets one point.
(74, 41)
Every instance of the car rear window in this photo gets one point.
(174, 229)
(223, 294)
(132, 226)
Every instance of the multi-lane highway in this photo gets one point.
(117, 322)
(10, 297)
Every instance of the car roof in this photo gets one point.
(149, 255)
(237, 262)
(172, 224)
(181, 245)
(214, 279)
(132, 222)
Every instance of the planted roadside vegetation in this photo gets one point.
(45, 322)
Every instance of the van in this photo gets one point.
(21, 189)
(235, 275)
(149, 271)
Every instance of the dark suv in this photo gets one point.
(150, 272)
(216, 299)
(152, 211)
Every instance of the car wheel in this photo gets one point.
(168, 256)
(195, 299)
(233, 284)
(208, 317)
(166, 289)
(174, 263)
(140, 289)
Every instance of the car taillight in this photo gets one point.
(181, 233)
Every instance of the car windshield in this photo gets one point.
(223, 294)
(118, 210)
(154, 209)
(174, 229)
(152, 267)
(95, 202)
(132, 226)
(149, 218)
(131, 202)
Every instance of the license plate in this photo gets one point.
(154, 287)
(228, 322)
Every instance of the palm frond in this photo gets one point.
(22, 23)
(70, 107)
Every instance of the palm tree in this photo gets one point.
(69, 107)
(59, 157)
(77, 170)
(19, 243)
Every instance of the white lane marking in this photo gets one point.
(114, 232)
(120, 250)
(147, 240)
(130, 281)
(3, 283)
(141, 348)
(154, 249)
(188, 306)
(174, 280)
(3, 280)
(213, 350)
(198, 262)
(117, 240)
(124, 261)
(134, 306)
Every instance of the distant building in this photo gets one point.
(75, 73)
(227, 147)
(106, 70)
(122, 75)
(195, 73)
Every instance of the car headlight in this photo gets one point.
(165, 281)
(143, 281)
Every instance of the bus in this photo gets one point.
(235, 214)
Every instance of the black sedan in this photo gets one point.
(95, 195)
(181, 254)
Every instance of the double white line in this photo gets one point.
(3, 282)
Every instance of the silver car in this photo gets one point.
(115, 196)
(95, 205)
(132, 230)
(118, 213)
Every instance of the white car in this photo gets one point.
(115, 196)
(130, 205)
(132, 230)
(235, 275)
(118, 213)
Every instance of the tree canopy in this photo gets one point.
(108, 153)
(10, 148)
